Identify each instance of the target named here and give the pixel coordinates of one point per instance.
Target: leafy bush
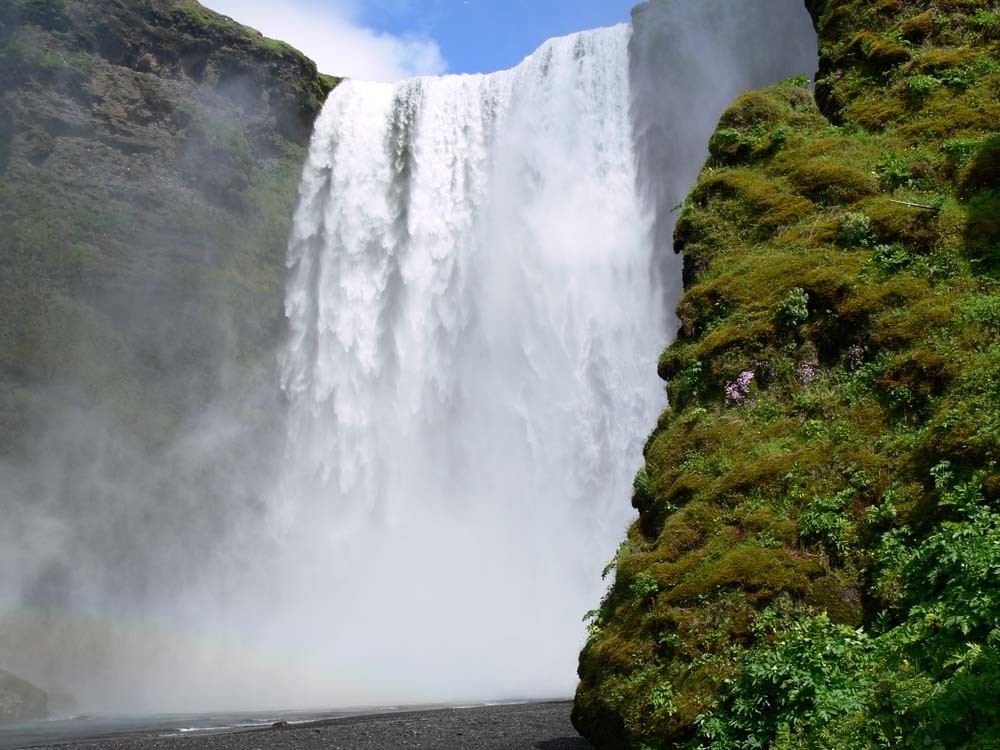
(644, 587)
(891, 258)
(826, 523)
(920, 87)
(802, 674)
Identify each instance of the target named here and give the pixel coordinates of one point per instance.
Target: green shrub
(643, 488)
(891, 258)
(826, 523)
(803, 674)
(987, 22)
(920, 87)
(644, 587)
(855, 230)
(794, 311)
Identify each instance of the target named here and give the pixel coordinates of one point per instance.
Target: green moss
(768, 199)
(919, 27)
(833, 181)
(329, 83)
(759, 571)
(757, 124)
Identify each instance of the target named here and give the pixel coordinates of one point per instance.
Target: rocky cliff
(817, 557)
(20, 700)
(149, 158)
(150, 153)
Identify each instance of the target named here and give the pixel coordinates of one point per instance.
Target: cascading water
(472, 364)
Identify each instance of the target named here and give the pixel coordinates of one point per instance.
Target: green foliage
(644, 587)
(643, 487)
(960, 149)
(983, 229)
(802, 81)
(757, 124)
(987, 22)
(927, 682)
(855, 230)
(891, 258)
(803, 673)
(826, 523)
(613, 563)
(920, 87)
(687, 382)
(794, 311)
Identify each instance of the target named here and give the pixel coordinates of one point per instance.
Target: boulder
(20, 700)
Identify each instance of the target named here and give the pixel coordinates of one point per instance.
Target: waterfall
(480, 281)
(471, 370)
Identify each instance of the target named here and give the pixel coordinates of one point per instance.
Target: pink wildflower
(806, 372)
(738, 390)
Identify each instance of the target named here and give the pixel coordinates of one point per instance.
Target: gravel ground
(534, 726)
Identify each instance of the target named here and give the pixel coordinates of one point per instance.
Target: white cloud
(338, 43)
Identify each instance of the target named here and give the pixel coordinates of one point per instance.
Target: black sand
(535, 726)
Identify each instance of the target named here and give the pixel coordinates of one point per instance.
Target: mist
(412, 498)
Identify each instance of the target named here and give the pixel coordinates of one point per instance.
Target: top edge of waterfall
(550, 42)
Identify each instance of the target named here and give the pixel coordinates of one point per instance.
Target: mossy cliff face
(149, 158)
(816, 562)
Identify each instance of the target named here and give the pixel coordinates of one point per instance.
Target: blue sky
(391, 39)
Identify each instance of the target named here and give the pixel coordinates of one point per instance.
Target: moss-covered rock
(832, 434)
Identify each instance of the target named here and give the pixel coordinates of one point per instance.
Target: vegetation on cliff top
(817, 559)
